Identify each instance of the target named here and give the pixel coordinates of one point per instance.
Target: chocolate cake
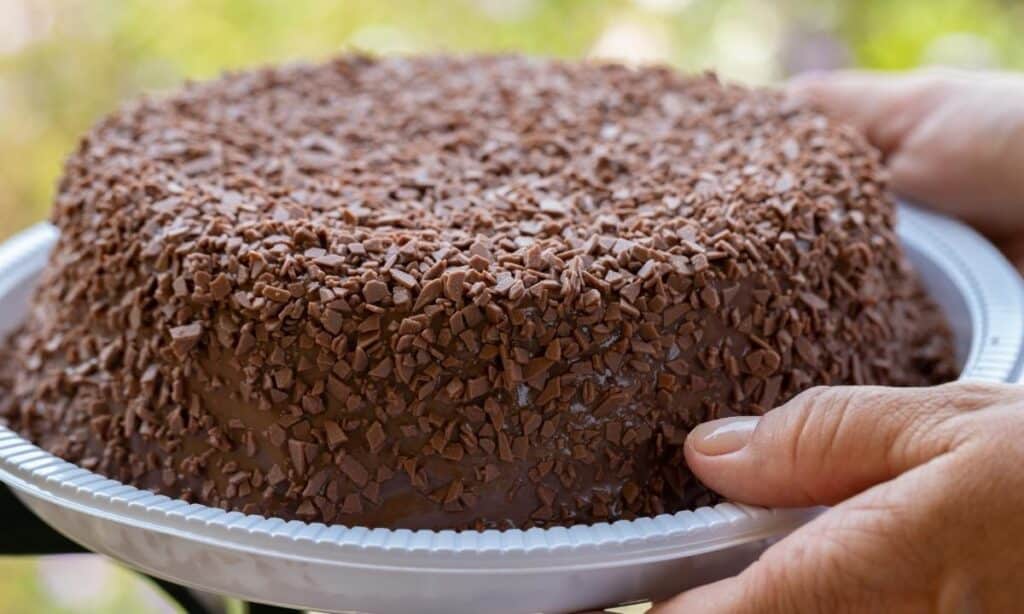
(454, 292)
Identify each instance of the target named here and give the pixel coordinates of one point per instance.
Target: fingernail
(723, 436)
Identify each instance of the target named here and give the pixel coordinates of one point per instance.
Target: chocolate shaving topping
(446, 292)
(184, 338)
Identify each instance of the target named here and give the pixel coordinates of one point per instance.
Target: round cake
(443, 292)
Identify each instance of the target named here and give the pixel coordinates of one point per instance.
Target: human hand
(953, 140)
(928, 489)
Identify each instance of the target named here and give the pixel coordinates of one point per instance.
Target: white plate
(338, 568)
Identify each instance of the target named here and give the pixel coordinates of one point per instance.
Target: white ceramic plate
(337, 568)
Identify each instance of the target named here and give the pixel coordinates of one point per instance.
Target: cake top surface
(509, 159)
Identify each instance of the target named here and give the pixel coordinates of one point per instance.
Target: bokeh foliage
(76, 59)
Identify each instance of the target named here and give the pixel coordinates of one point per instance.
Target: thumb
(828, 444)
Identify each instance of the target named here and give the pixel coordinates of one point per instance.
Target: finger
(965, 157)
(830, 443)
(869, 554)
(953, 140)
(885, 106)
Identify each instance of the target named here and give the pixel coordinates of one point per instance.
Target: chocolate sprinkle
(454, 293)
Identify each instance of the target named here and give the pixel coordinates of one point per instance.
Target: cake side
(444, 293)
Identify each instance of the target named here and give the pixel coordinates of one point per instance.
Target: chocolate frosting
(454, 292)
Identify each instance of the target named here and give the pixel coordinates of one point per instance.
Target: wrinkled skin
(927, 484)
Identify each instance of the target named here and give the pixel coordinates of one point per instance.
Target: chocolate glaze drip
(443, 293)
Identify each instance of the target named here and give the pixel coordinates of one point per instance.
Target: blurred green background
(65, 63)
